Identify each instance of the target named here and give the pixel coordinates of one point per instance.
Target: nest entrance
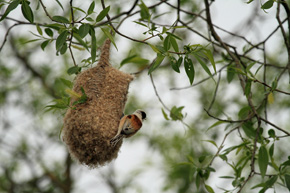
(89, 127)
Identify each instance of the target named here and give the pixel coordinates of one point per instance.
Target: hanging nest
(89, 126)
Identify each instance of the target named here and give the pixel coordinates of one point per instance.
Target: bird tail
(116, 139)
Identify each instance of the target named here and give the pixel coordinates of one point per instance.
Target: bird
(128, 126)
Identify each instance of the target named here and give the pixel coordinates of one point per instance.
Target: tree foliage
(234, 107)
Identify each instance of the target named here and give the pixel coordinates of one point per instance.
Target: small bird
(129, 125)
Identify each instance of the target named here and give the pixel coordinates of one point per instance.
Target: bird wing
(121, 125)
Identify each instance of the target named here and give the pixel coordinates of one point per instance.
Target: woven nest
(89, 126)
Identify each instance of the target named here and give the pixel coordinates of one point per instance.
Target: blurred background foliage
(227, 132)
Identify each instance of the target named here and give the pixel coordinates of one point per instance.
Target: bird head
(140, 114)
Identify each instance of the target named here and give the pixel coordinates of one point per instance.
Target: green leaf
(166, 43)
(84, 96)
(197, 180)
(48, 32)
(271, 98)
(268, 4)
(94, 44)
(244, 112)
(173, 35)
(26, 11)
(176, 114)
(139, 23)
(103, 14)
(60, 19)
(91, 8)
(274, 84)
(248, 87)
(239, 71)
(266, 185)
(203, 64)
(63, 49)
(271, 150)
(39, 30)
(165, 115)
(59, 4)
(156, 63)
(230, 149)
(74, 70)
(144, 12)
(10, 7)
(271, 133)
(286, 163)
(227, 177)
(33, 40)
(270, 182)
(230, 73)
(82, 99)
(1, 5)
(209, 56)
(258, 69)
(89, 19)
(190, 159)
(164, 30)
(287, 181)
(212, 142)
(189, 69)
(79, 9)
(44, 44)
(259, 185)
(250, 66)
(59, 104)
(216, 124)
(174, 43)
(223, 157)
(134, 59)
(249, 129)
(66, 82)
(179, 61)
(55, 26)
(108, 35)
(155, 49)
(208, 188)
(80, 40)
(174, 64)
(263, 160)
(84, 30)
(61, 39)
(127, 60)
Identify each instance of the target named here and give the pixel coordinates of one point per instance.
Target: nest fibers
(89, 126)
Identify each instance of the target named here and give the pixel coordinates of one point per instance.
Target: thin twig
(275, 126)
(284, 34)
(201, 81)
(222, 144)
(72, 33)
(6, 35)
(265, 79)
(46, 12)
(250, 116)
(156, 93)
(266, 85)
(215, 92)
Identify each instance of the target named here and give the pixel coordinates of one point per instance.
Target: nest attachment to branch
(89, 126)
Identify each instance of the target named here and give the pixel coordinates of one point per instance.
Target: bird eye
(143, 115)
(126, 129)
